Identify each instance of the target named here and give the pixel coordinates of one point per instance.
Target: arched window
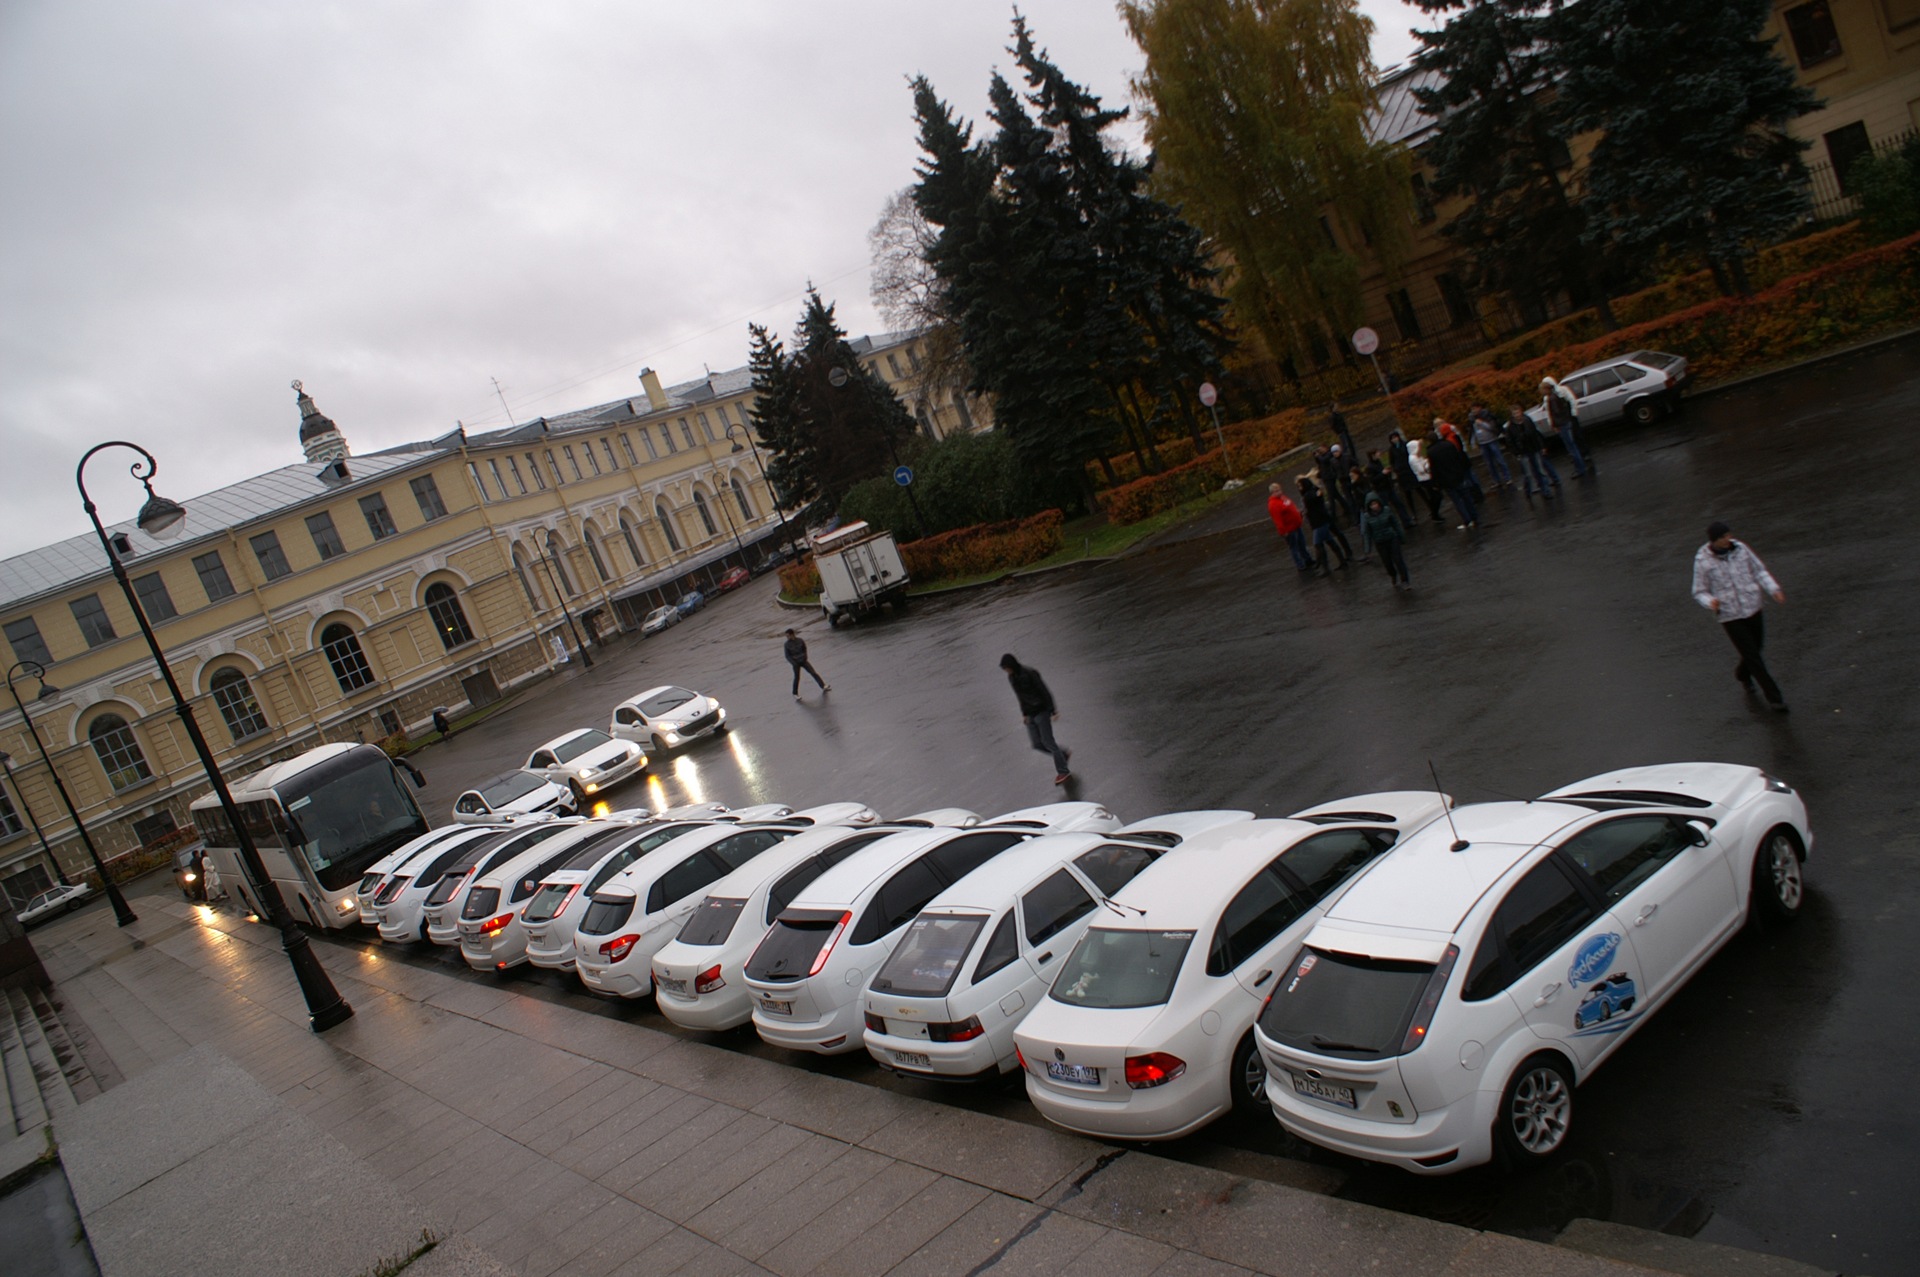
(118, 751)
(593, 552)
(233, 696)
(633, 544)
(557, 563)
(706, 515)
(534, 599)
(449, 618)
(740, 495)
(350, 668)
(666, 525)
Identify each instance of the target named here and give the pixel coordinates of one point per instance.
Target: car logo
(1593, 958)
(1059, 1055)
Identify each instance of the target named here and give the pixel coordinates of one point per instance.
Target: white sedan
(50, 904)
(587, 762)
(664, 718)
(659, 619)
(514, 793)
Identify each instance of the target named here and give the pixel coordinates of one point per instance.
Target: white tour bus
(318, 820)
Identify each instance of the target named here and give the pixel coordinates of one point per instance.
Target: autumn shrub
(799, 580)
(991, 547)
(1143, 498)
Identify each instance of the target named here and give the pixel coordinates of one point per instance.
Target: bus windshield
(343, 818)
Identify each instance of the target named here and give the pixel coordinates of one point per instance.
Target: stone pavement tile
(610, 1041)
(1005, 1233)
(706, 1172)
(455, 1256)
(895, 1234)
(1494, 1255)
(473, 1000)
(688, 1122)
(626, 1230)
(545, 1127)
(1009, 1157)
(132, 1034)
(833, 1106)
(786, 1196)
(1187, 1264)
(559, 1250)
(477, 1163)
(855, 1215)
(1117, 1254)
(682, 1252)
(413, 1161)
(595, 1152)
(539, 1214)
(521, 1178)
(716, 1073)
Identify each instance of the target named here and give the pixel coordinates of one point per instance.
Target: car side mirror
(419, 777)
(1696, 834)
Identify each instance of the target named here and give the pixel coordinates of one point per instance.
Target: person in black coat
(1325, 532)
(795, 650)
(1327, 463)
(1453, 473)
(1037, 711)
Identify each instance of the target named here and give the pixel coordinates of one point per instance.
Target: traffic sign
(1365, 341)
(1208, 395)
(903, 476)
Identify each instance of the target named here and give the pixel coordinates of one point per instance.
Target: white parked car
(984, 951)
(1058, 818)
(698, 977)
(659, 619)
(441, 908)
(664, 718)
(553, 916)
(587, 762)
(643, 906)
(1444, 1010)
(949, 817)
(514, 793)
(399, 903)
(378, 871)
(492, 935)
(54, 902)
(833, 814)
(1146, 1032)
(1640, 386)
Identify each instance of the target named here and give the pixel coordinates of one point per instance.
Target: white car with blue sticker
(1443, 1011)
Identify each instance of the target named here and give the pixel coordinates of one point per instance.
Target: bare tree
(910, 297)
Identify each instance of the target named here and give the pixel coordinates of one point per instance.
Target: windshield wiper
(1330, 1045)
(1122, 910)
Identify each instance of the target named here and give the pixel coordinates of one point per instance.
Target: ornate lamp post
(786, 537)
(53, 861)
(163, 519)
(35, 670)
(553, 559)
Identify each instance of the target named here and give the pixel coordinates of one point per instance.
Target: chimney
(656, 397)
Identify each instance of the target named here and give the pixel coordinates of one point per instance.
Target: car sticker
(1593, 958)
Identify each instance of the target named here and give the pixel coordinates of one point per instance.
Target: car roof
(1174, 827)
(1631, 357)
(847, 881)
(652, 692)
(1667, 784)
(782, 856)
(643, 871)
(1048, 814)
(1191, 883)
(515, 865)
(993, 884)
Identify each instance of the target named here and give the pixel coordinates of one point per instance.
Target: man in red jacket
(1288, 522)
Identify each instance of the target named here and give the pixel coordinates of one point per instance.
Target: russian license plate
(912, 1059)
(1341, 1095)
(670, 985)
(776, 1006)
(1074, 1074)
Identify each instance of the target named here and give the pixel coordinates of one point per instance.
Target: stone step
(69, 1043)
(26, 1111)
(48, 1076)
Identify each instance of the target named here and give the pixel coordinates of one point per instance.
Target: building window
(593, 552)
(390, 722)
(533, 468)
(633, 546)
(593, 462)
(233, 697)
(706, 427)
(557, 560)
(92, 620)
(449, 619)
(666, 434)
(926, 422)
(1846, 147)
(960, 410)
(606, 446)
(480, 483)
(151, 829)
(326, 537)
(24, 637)
(740, 495)
(686, 432)
(666, 525)
(153, 596)
(119, 753)
(626, 446)
(1402, 307)
(526, 582)
(1459, 305)
(273, 562)
(379, 518)
(893, 368)
(573, 462)
(646, 438)
(427, 493)
(706, 515)
(350, 668)
(9, 818)
(499, 481)
(513, 468)
(913, 358)
(553, 466)
(1815, 39)
(213, 575)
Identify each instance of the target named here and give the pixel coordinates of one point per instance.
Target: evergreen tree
(1503, 141)
(777, 422)
(1692, 108)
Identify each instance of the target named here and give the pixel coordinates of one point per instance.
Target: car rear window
(606, 914)
(1345, 1004)
(394, 886)
(481, 902)
(1111, 968)
(790, 947)
(796, 880)
(1113, 865)
(546, 901)
(929, 955)
(712, 921)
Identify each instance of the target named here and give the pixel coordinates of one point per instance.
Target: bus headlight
(347, 906)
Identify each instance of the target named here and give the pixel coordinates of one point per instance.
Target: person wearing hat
(1557, 404)
(795, 650)
(1037, 711)
(1730, 581)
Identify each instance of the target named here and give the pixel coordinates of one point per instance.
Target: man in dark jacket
(1452, 473)
(796, 653)
(1037, 712)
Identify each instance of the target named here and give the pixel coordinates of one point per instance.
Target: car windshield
(929, 955)
(660, 612)
(712, 922)
(508, 788)
(578, 745)
(665, 699)
(1113, 968)
(1654, 359)
(1345, 1004)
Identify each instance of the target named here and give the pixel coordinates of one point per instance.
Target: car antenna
(1459, 843)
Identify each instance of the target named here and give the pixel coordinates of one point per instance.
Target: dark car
(732, 581)
(190, 871)
(778, 555)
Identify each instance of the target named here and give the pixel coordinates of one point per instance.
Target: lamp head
(47, 690)
(837, 377)
(161, 518)
(736, 447)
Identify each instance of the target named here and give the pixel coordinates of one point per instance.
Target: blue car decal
(1610, 999)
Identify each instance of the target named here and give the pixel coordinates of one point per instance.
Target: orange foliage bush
(799, 580)
(983, 548)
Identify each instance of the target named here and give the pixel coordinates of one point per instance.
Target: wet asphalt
(1768, 1105)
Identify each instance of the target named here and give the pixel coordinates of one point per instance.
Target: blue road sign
(903, 476)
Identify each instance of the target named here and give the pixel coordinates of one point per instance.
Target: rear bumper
(1162, 1113)
(947, 1061)
(621, 980)
(552, 956)
(709, 1012)
(838, 1032)
(1463, 1128)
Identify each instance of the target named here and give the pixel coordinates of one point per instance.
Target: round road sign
(903, 476)
(1365, 340)
(1208, 395)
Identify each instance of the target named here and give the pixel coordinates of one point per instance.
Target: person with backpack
(1558, 404)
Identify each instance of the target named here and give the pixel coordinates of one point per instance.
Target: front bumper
(612, 776)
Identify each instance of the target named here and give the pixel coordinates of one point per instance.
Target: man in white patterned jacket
(1730, 581)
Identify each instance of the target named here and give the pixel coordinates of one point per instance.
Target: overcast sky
(398, 203)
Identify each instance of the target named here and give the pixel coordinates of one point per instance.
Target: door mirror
(1696, 834)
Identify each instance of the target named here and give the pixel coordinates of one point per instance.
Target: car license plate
(913, 1059)
(1074, 1074)
(670, 985)
(776, 1006)
(1341, 1095)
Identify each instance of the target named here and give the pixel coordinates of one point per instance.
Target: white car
(949, 817)
(553, 916)
(587, 762)
(1058, 818)
(514, 793)
(54, 902)
(808, 972)
(1146, 1033)
(398, 904)
(659, 619)
(377, 872)
(664, 718)
(1442, 1013)
(833, 814)
(698, 977)
(643, 906)
(441, 908)
(983, 952)
(1641, 386)
(492, 936)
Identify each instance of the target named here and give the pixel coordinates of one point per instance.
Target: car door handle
(1547, 994)
(1646, 913)
(1263, 977)
(1046, 957)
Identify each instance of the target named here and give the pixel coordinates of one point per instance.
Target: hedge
(1250, 442)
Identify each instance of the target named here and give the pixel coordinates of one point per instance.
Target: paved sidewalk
(538, 1139)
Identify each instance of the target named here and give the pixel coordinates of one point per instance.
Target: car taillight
(878, 1023)
(1147, 1071)
(1021, 1056)
(964, 1031)
(568, 899)
(494, 926)
(826, 950)
(709, 980)
(1430, 1000)
(619, 947)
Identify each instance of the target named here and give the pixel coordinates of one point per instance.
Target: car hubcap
(1254, 1078)
(1541, 1110)
(1786, 871)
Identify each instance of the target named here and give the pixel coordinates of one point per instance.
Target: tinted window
(529, 882)
(1053, 906)
(1345, 1004)
(1324, 861)
(481, 902)
(685, 878)
(741, 848)
(1629, 373)
(1113, 865)
(1604, 379)
(1542, 912)
(1001, 949)
(929, 955)
(634, 850)
(1122, 968)
(712, 921)
(792, 944)
(547, 901)
(606, 915)
(957, 858)
(1622, 854)
(518, 785)
(664, 700)
(898, 900)
(1252, 918)
(581, 744)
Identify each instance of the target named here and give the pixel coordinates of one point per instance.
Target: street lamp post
(786, 537)
(162, 519)
(6, 764)
(35, 670)
(553, 560)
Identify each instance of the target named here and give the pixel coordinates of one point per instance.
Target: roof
(1396, 118)
(847, 881)
(1191, 883)
(992, 885)
(261, 782)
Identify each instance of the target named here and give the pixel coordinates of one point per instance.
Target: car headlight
(1776, 785)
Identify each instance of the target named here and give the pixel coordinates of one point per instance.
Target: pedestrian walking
(1557, 402)
(1423, 476)
(796, 653)
(1338, 421)
(1289, 522)
(1325, 531)
(1388, 537)
(1486, 434)
(1536, 466)
(1381, 481)
(1730, 581)
(1037, 711)
(1451, 471)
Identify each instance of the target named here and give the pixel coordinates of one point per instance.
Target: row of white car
(1393, 976)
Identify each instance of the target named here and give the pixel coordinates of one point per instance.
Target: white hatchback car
(643, 906)
(983, 951)
(514, 793)
(492, 935)
(441, 908)
(1446, 1007)
(398, 904)
(53, 902)
(697, 977)
(1147, 1030)
(553, 916)
(664, 718)
(1058, 818)
(377, 872)
(587, 762)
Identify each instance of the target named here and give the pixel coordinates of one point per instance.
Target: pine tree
(777, 422)
(1692, 107)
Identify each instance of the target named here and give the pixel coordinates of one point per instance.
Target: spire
(320, 439)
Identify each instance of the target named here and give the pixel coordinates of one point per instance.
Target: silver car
(1641, 386)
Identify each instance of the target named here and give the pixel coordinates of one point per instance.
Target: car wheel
(579, 796)
(1248, 1077)
(656, 746)
(1536, 1112)
(1643, 412)
(1778, 883)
